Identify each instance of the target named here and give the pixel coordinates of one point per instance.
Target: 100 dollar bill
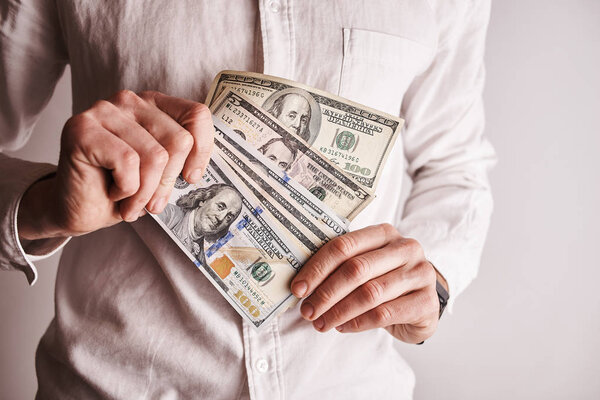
(316, 216)
(238, 246)
(290, 153)
(356, 138)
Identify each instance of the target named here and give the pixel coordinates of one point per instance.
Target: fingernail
(299, 289)
(196, 175)
(307, 310)
(319, 323)
(339, 328)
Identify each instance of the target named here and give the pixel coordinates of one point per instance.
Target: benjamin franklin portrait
(202, 214)
(297, 110)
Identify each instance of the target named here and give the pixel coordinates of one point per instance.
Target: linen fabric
(134, 317)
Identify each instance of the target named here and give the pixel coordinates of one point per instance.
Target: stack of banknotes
(291, 166)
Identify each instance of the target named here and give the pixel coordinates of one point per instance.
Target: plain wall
(528, 327)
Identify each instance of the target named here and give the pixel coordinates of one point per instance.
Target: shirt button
(262, 365)
(275, 6)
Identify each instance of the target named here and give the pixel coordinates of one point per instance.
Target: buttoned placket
(262, 349)
(278, 37)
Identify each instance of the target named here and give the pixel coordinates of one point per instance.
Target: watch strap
(443, 296)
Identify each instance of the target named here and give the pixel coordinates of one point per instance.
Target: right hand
(119, 156)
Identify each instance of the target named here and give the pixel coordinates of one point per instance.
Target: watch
(443, 296)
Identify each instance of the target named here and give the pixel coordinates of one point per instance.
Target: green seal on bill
(261, 271)
(345, 140)
(318, 192)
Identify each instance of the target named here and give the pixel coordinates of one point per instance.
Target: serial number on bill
(336, 153)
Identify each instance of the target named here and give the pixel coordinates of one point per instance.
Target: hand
(370, 278)
(116, 158)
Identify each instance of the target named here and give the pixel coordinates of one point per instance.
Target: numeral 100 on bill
(357, 169)
(245, 301)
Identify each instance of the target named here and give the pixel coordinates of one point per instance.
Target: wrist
(441, 280)
(36, 215)
(441, 287)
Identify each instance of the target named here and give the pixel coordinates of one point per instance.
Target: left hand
(370, 278)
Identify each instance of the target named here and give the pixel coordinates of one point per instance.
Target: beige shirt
(134, 317)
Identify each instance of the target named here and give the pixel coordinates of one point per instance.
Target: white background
(529, 326)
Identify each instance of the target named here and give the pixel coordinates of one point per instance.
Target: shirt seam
(278, 358)
(265, 37)
(292, 39)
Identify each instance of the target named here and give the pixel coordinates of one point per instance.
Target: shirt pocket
(377, 68)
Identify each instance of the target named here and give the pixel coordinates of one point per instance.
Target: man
(133, 317)
(293, 110)
(280, 151)
(204, 212)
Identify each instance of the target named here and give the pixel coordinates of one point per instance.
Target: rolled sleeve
(450, 204)
(18, 176)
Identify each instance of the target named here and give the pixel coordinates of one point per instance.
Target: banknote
(286, 192)
(235, 242)
(356, 138)
(287, 217)
(291, 154)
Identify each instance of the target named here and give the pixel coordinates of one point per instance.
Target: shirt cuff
(449, 254)
(36, 250)
(14, 253)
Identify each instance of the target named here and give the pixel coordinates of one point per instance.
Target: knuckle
(181, 142)
(333, 316)
(382, 315)
(101, 106)
(318, 270)
(357, 268)
(372, 292)
(343, 245)
(76, 130)
(148, 94)
(141, 199)
(355, 324)
(130, 157)
(433, 302)
(72, 124)
(200, 111)
(129, 187)
(158, 156)
(168, 181)
(388, 230)
(324, 295)
(426, 306)
(186, 140)
(426, 271)
(397, 245)
(413, 247)
(125, 96)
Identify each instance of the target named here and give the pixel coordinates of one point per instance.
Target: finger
(173, 137)
(349, 276)
(152, 155)
(100, 148)
(197, 120)
(371, 294)
(338, 250)
(417, 310)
